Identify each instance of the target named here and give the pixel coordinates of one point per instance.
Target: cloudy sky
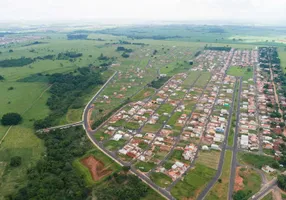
(230, 10)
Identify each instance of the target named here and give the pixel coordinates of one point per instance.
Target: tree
(11, 119)
(248, 69)
(281, 180)
(15, 161)
(241, 195)
(1, 78)
(126, 168)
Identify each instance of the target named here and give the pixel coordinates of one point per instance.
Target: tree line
(20, 62)
(66, 91)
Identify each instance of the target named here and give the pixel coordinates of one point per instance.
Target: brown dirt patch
(96, 168)
(238, 180)
(146, 94)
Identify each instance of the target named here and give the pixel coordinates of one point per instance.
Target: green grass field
(282, 56)
(241, 71)
(193, 183)
(255, 160)
(161, 179)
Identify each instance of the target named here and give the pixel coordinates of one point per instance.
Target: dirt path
(36, 100)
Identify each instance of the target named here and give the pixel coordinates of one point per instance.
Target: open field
(255, 160)
(241, 71)
(209, 158)
(282, 56)
(161, 179)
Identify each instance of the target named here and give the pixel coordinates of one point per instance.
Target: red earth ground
(96, 168)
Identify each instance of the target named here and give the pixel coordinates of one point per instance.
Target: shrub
(16, 161)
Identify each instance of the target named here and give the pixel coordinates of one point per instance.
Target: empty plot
(209, 158)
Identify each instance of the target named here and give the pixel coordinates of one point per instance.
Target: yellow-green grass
(241, 71)
(193, 183)
(268, 196)
(220, 189)
(193, 75)
(21, 97)
(202, 81)
(209, 158)
(143, 94)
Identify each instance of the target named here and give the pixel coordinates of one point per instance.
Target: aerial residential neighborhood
(143, 100)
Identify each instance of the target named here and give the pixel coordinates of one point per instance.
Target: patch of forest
(20, 62)
(54, 177)
(77, 36)
(159, 82)
(218, 48)
(66, 92)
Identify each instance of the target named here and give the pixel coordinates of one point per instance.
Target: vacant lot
(209, 158)
(193, 182)
(161, 179)
(255, 160)
(245, 72)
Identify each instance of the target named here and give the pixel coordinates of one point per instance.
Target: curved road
(90, 133)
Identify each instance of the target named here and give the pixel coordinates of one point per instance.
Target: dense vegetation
(54, 177)
(18, 62)
(281, 181)
(16, 161)
(128, 187)
(218, 48)
(120, 48)
(77, 36)
(242, 195)
(35, 43)
(66, 91)
(68, 55)
(1, 78)
(11, 119)
(159, 82)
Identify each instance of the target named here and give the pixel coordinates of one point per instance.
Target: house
(244, 141)
(117, 137)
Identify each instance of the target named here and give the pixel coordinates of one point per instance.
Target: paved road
(221, 160)
(235, 150)
(61, 127)
(265, 189)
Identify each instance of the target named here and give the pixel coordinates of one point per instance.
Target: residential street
(204, 193)
(235, 149)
